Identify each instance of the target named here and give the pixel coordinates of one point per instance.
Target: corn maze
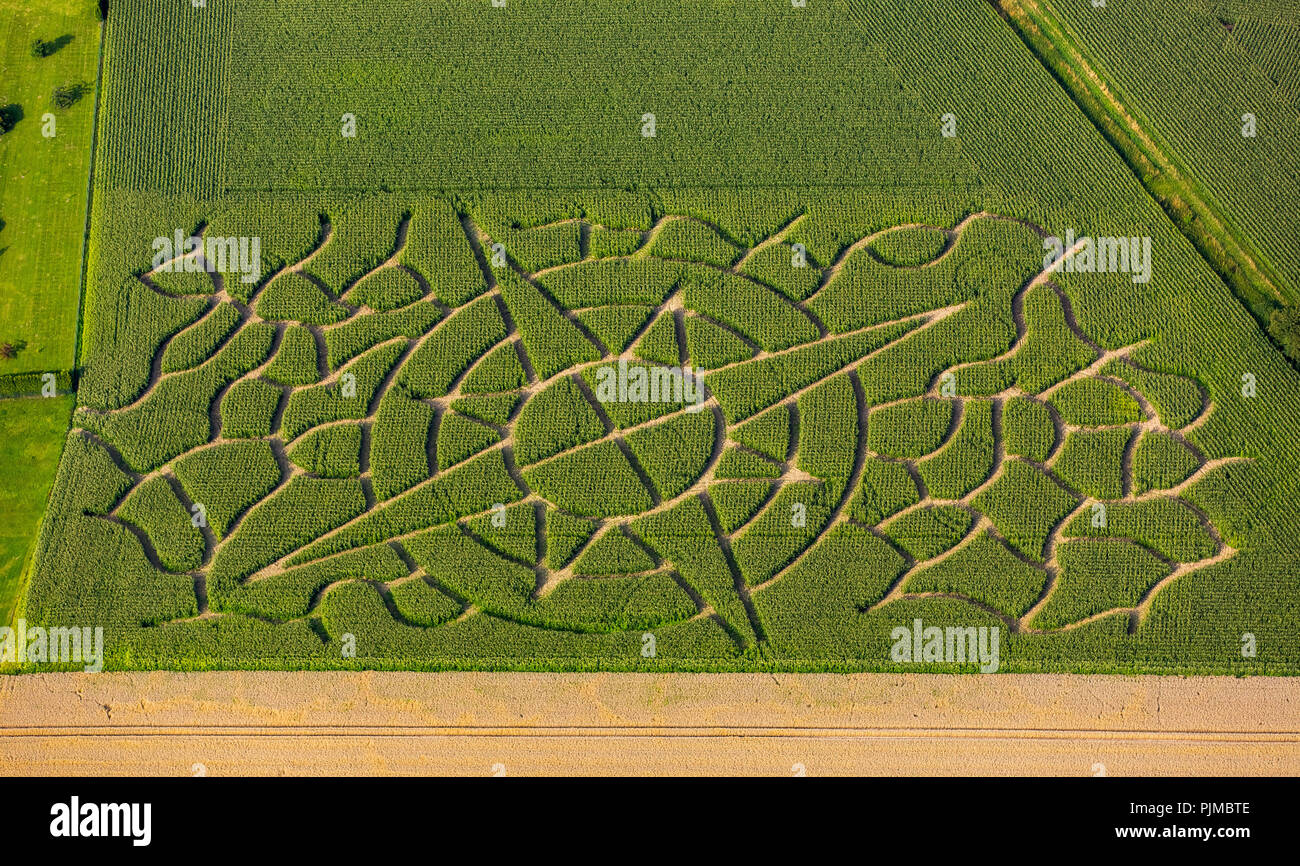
(401, 356)
(427, 457)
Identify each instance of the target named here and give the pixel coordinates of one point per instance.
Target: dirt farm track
(681, 724)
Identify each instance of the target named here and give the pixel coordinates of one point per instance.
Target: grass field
(43, 188)
(508, 383)
(43, 181)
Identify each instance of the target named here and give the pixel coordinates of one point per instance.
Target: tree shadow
(46, 47)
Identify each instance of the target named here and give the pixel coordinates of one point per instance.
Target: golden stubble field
(516, 724)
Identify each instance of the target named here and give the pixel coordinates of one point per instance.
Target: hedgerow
(297, 361)
(615, 326)
(1097, 576)
(1092, 402)
(1027, 429)
(154, 508)
(927, 532)
(1092, 461)
(248, 409)
(911, 429)
(963, 464)
(556, 419)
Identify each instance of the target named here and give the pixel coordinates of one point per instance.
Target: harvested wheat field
(378, 723)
